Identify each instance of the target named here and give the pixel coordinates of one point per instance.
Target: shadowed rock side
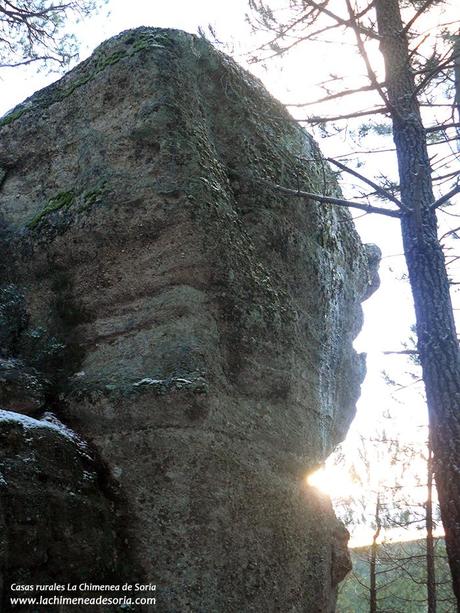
(56, 525)
(206, 321)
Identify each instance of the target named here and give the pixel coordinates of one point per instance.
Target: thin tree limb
(378, 110)
(362, 50)
(434, 72)
(418, 14)
(440, 201)
(449, 232)
(298, 41)
(402, 352)
(346, 92)
(345, 22)
(431, 129)
(378, 188)
(332, 200)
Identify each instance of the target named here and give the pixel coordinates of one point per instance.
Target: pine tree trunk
(430, 567)
(372, 577)
(373, 560)
(437, 339)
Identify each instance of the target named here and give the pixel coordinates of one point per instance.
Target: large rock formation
(194, 326)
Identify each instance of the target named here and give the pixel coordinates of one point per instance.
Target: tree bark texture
(430, 566)
(373, 560)
(437, 339)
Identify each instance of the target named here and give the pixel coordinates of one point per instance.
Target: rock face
(189, 322)
(56, 524)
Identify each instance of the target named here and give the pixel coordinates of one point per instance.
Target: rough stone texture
(56, 524)
(205, 322)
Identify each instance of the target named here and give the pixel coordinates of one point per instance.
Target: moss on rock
(63, 200)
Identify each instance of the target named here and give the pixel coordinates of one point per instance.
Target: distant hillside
(401, 580)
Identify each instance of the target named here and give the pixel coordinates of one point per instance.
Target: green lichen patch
(108, 54)
(110, 60)
(93, 196)
(63, 200)
(77, 202)
(132, 45)
(12, 116)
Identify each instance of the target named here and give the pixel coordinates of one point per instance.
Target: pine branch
(418, 14)
(362, 50)
(431, 129)
(448, 233)
(39, 58)
(296, 42)
(402, 352)
(440, 201)
(315, 120)
(448, 175)
(415, 50)
(378, 188)
(444, 140)
(346, 92)
(297, 193)
(345, 22)
(442, 66)
(280, 35)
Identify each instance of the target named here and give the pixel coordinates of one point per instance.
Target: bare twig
(378, 188)
(362, 50)
(442, 66)
(441, 127)
(332, 200)
(296, 42)
(449, 232)
(314, 120)
(346, 92)
(402, 352)
(440, 201)
(417, 14)
(345, 22)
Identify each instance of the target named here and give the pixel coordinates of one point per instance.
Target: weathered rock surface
(56, 525)
(200, 323)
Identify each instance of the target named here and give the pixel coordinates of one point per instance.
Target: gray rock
(374, 255)
(56, 524)
(13, 318)
(21, 388)
(208, 319)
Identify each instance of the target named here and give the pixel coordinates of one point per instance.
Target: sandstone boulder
(207, 319)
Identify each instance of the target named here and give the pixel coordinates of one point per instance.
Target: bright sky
(388, 314)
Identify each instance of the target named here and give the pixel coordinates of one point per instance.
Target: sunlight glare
(333, 481)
